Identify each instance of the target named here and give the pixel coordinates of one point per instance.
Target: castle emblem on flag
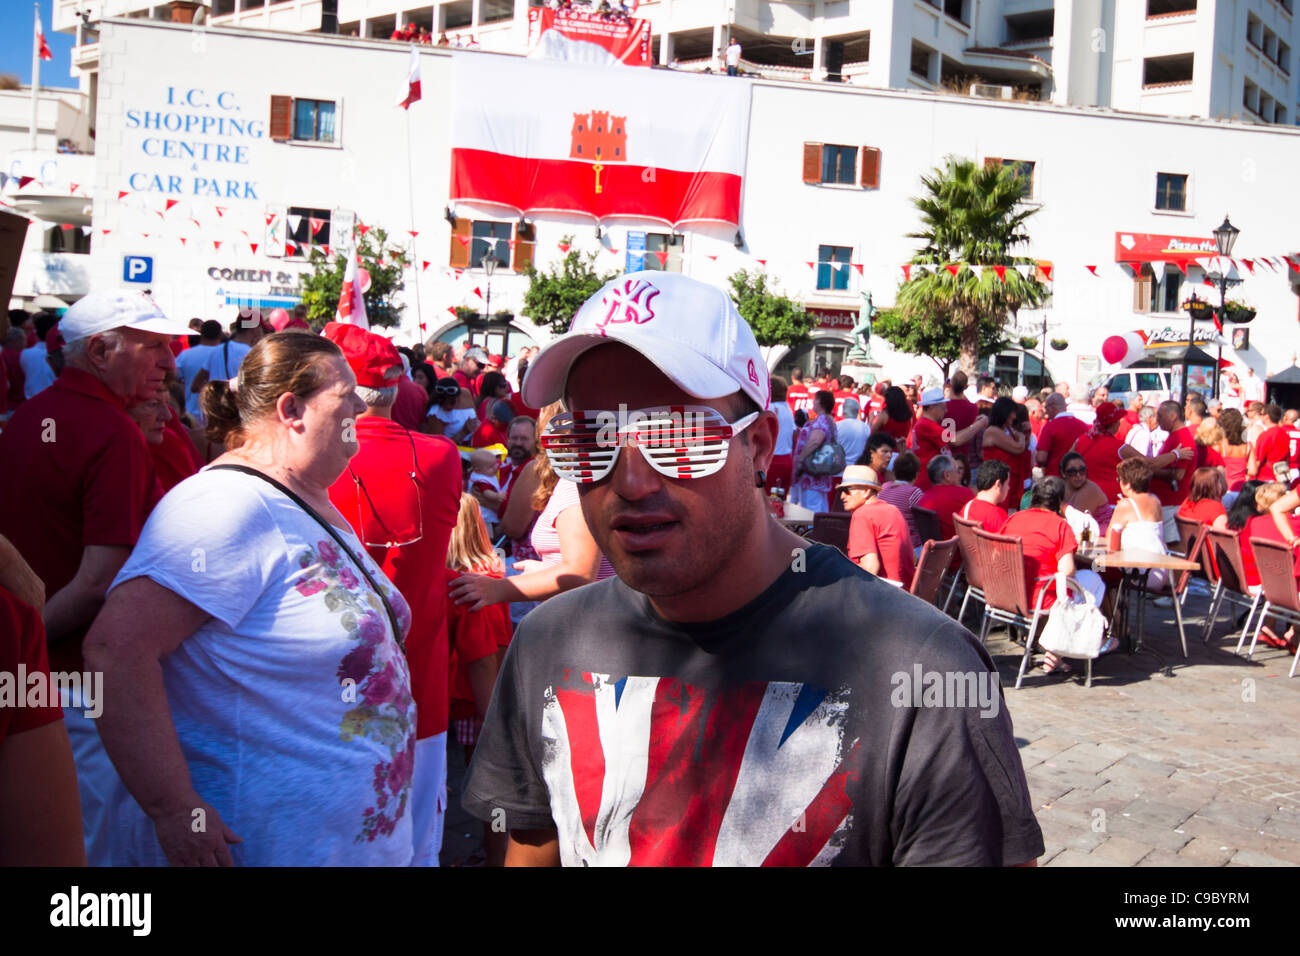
(600, 138)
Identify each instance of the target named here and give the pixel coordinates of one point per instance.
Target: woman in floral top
(264, 715)
(813, 491)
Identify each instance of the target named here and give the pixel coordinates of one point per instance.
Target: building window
(839, 163)
(663, 252)
(72, 239)
(1170, 8)
(1157, 293)
(303, 121)
(1024, 168)
(1254, 31)
(1171, 192)
(1172, 70)
(921, 61)
(833, 267)
(471, 240)
(955, 9)
(305, 228)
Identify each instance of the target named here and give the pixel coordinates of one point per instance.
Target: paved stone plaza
(1162, 762)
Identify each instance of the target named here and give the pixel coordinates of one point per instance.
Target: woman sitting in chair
(1136, 524)
(1048, 545)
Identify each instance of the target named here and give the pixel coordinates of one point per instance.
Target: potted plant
(1201, 311)
(1238, 312)
(503, 317)
(1060, 345)
(1028, 343)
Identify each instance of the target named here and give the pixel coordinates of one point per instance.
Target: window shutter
(282, 118)
(525, 236)
(1142, 290)
(459, 256)
(992, 160)
(812, 162)
(870, 167)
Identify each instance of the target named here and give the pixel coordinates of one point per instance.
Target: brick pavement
(1162, 762)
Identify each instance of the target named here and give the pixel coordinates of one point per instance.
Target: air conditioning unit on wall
(988, 92)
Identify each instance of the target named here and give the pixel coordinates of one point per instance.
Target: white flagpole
(36, 79)
(410, 203)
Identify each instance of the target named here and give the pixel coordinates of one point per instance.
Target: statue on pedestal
(860, 353)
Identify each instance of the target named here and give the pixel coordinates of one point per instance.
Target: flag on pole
(40, 41)
(352, 307)
(411, 92)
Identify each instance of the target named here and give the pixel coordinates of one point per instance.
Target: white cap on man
(104, 310)
(1019, 393)
(932, 396)
(690, 330)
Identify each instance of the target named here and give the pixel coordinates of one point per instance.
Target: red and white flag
(40, 41)
(352, 306)
(411, 91)
(646, 145)
(587, 38)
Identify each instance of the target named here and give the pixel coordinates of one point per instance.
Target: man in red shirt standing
(798, 395)
(992, 482)
(1271, 458)
(1058, 435)
(81, 468)
(931, 435)
(963, 414)
(471, 367)
(1171, 485)
(878, 537)
(401, 494)
(945, 496)
(494, 430)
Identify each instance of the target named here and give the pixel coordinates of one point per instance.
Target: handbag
(1074, 628)
(333, 533)
(828, 459)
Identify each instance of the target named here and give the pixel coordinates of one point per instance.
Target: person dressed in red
(896, 417)
(1058, 435)
(932, 434)
(945, 497)
(799, 396)
(401, 494)
(1233, 450)
(1205, 499)
(1048, 546)
(494, 430)
(1172, 481)
(478, 640)
(879, 540)
(1275, 452)
(1131, 417)
(1103, 450)
(962, 414)
(992, 485)
(1003, 441)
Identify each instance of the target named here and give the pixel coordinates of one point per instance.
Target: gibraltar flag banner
(352, 305)
(662, 146)
(587, 38)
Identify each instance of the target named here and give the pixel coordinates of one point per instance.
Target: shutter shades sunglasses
(681, 441)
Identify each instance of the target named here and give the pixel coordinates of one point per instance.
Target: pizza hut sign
(1160, 338)
(834, 320)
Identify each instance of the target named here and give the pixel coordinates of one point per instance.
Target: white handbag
(1074, 628)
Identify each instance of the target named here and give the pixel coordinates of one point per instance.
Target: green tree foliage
(384, 261)
(970, 214)
(938, 339)
(775, 319)
(554, 297)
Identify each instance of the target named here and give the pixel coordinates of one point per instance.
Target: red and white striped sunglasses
(680, 441)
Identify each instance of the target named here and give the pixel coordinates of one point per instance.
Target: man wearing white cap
(879, 539)
(82, 469)
(673, 715)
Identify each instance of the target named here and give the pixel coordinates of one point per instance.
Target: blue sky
(16, 45)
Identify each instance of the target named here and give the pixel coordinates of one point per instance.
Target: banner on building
(1151, 247)
(588, 38)
(655, 145)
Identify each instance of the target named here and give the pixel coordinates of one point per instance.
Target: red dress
(1014, 461)
(899, 430)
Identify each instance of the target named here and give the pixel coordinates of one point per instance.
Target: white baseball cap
(691, 331)
(932, 396)
(111, 309)
(1019, 393)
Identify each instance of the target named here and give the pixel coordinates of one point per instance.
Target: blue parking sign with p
(137, 268)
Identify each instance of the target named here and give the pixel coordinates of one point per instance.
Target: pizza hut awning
(654, 145)
(1152, 247)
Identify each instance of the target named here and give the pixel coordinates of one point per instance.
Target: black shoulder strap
(333, 532)
(225, 364)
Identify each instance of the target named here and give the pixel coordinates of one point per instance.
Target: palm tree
(970, 214)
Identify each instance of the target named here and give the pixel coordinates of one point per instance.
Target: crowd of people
(348, 552)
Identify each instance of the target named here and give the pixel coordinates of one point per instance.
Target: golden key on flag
(597, 168)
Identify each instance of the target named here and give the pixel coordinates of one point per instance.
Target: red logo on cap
(629, 303)
(753, 375)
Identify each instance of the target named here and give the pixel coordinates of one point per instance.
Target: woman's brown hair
(547, 479)
(1233, 424)
(469, 549)
(1136, 473)
(278, 363)
(1207, 483)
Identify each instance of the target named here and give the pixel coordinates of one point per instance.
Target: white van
(1153, 383)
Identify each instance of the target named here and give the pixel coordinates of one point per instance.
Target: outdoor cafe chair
(927, 579)
(831, 528)
(1176, 586)
(1277, 567)
(927, 523)
(970, 570)
(1188, 529)
(1229, 580)
(1002, 563)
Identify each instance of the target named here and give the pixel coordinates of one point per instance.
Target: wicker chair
(1229, 580)
(970, 569)
(1277, 577)
(927, 580)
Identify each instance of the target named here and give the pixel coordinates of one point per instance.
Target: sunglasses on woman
(681, 441)
(1074, 472)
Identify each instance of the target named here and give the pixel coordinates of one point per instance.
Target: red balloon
(1114, 349)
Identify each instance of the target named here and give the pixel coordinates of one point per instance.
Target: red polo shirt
(927, 441)
(1163, 489)
(411, 405)
(1274, 447)
(1044, 538)
(175, 458)
(879, 528)
(944, 501)
(990, 517)
(78, 473)
(390, 500)
(1058, 437)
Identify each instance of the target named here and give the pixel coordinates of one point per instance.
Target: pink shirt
(546, 539)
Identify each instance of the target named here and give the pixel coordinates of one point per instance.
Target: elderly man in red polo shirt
(81, 468)
(879, 540)
(401, 494)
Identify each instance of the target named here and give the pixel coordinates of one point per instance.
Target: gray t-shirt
(832, 720)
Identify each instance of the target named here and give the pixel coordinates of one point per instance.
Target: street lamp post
(1225, 237)
(490, 263)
